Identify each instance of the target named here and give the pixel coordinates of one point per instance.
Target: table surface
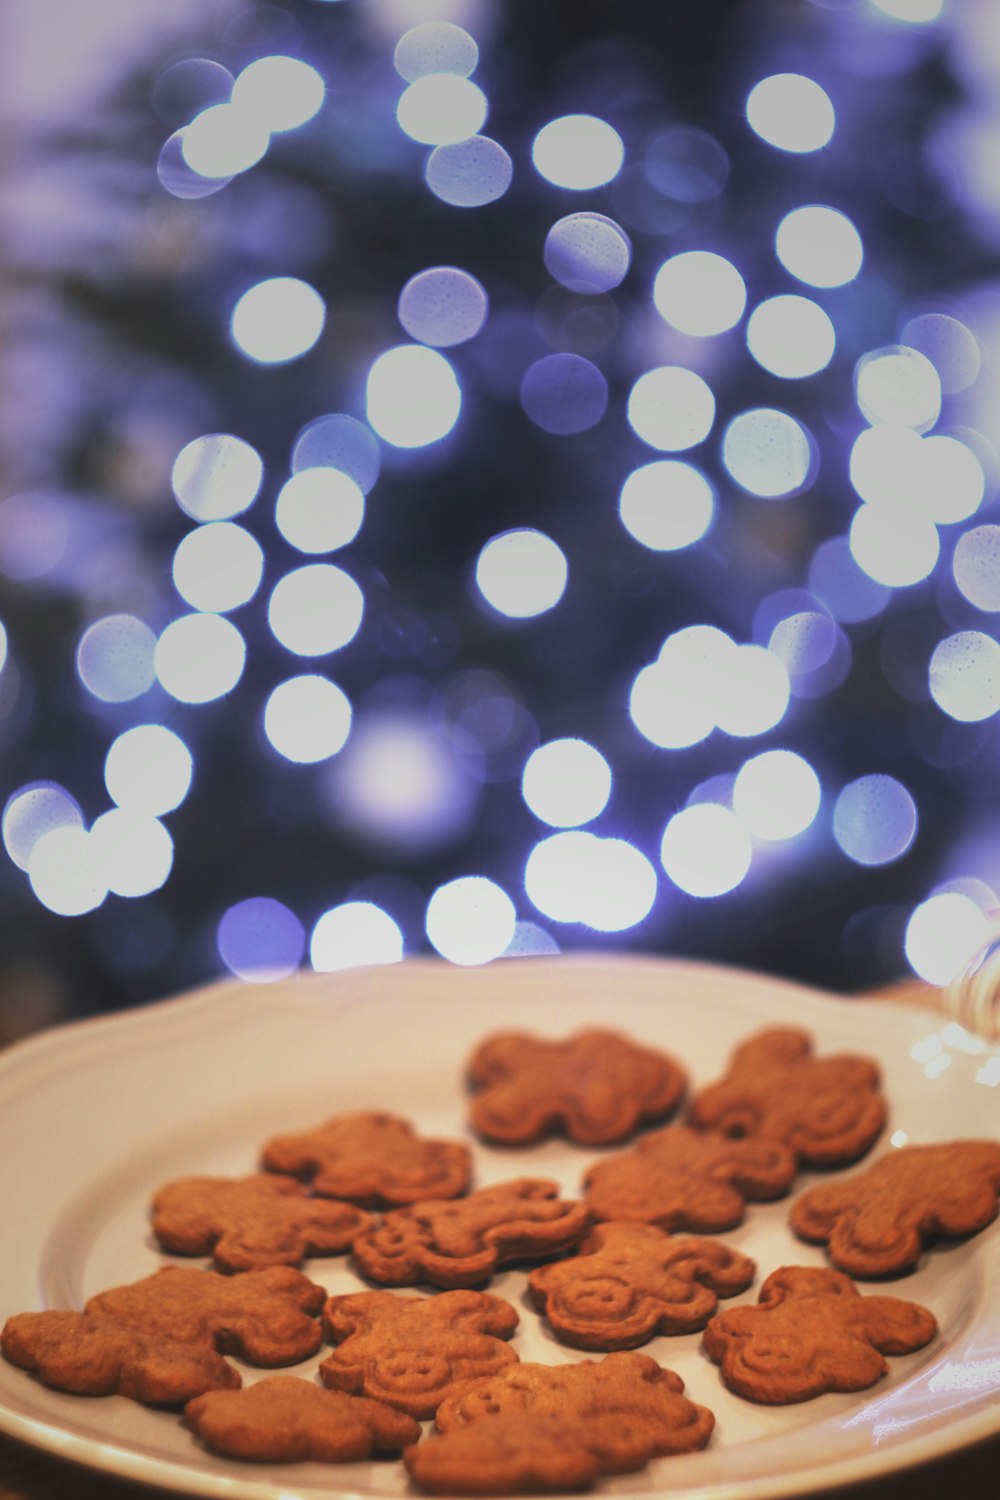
(973, 1474)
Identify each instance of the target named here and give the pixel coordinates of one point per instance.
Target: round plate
(97, 1115)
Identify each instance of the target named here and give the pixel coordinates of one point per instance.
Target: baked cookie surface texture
(596, 1087)
(371, 1158)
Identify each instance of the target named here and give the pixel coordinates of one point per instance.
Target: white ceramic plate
(94, 1116)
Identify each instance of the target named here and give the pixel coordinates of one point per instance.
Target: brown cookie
(555, 1427)
(597, 1087)
(876, 1220)
(266, 1317)
(285, 1419)
(93, 1356)
(461, 1242)
(411, 1352)
(680, 1178)
(629, 1281)
(828, 1110)
(812, 1331)
(247, 1223)
(371, 1158)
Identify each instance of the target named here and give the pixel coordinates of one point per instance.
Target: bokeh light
(442, 306)
(964, 676)
(279, 92)
(893, 545)
(791, 336)
(435, 47)
(667, 505)
(706, 850)
(439, 109)
(564, 393)
(792, 112)
(578, 152)
(975, 564)
(307, 718)
(319, 510)
(339, 441)
(224, 140)
(114, 658)
(937, 477)
(917, 12)
(686, 165)
(34, 810)
(132, 852)
(606, 884)
(943, 934)
(470, 173)
(65, 872)
(587, 252)
(949, 344)
(216, 476)
(315, 609)
(278, 320)
(671, 408)
(354, 934)
(768, 452)
(218, 567)
(470, 920)
(199, 658)
(260, 939)
(566, 782)
(874, 819)
(521, 573)
(700, 293)
(776, 795)
(148, 770)
(900, 386)
(413, 397)
(819, 245)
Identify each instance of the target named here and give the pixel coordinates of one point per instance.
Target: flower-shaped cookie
(630, 1281)
(876, 1220)
(597, 1087)
(93, 1356)
(284, 1419)
(461, 1242)
(680, 1178)
(371, 1158)
(812, 1331)
(555, 1427)
(266, 1317)
(828, 1110)
(247, 1223)
(411, 1352)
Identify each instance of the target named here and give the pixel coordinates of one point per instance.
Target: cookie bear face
(876, 1221)
(680, 1178)
(266, 1317)
(412, 1352)
(94, 1356)
(371, 1158)
(630, 1281)
(623, 1409)
(461, 1242)
(597, 1087)
(811, 1332)
(285, 1419)
(827, 1110)
(247, 1223)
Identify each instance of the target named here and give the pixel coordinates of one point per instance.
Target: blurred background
(485, 479)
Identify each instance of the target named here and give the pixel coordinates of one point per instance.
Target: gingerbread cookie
(94, 1356)
(247, 1223)
(371, 1158)
(828, 1110)
(680, 1178)
(554, 1427)
(285, 1419)
(597, 1087)
(461, 1242)
(812, 1331)
(411, 1352)
(876, 1220)
(266, 1317)
(629, 1281)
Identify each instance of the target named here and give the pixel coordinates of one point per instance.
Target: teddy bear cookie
(827, 1110)
(596, 1087)
(412, 1352)
(875, 1222)
(371, 1158)
(461, 1242)
(285, 1419)
(629, 1281)
(555, 1427)
(679, 1178)
(247, 1223)
(811, 1332)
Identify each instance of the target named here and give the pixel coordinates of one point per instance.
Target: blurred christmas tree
(495, 478)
